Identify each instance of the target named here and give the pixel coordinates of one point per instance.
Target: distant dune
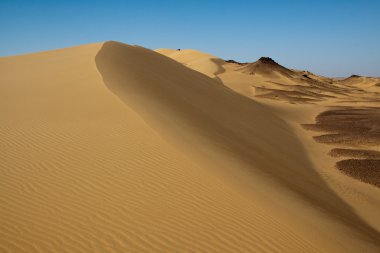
(110, 147)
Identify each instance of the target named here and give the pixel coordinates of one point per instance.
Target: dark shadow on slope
(224, 119)
(219, 63)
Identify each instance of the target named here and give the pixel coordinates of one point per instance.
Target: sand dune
(267, 79)
(116, 148)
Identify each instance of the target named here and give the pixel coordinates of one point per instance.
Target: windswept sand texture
(116, 148)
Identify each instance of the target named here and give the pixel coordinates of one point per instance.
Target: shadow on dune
(173, 97)
(219, 63)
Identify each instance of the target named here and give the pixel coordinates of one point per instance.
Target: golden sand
(116, 148)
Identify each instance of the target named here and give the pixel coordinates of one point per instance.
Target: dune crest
(208, 64)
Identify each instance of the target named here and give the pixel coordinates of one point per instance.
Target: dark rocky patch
(352, 127)
(236, 62)
(267, 60)
(366, 170)
(306, 76)
(356, 153)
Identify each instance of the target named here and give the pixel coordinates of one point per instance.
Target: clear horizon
(331, 38)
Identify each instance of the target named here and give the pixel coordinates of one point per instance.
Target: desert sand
(110, 147)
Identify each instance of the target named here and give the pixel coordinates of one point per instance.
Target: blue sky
(333, 38)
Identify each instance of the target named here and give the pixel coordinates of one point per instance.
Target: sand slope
(115, 148)
(300, 97)
(207, 64)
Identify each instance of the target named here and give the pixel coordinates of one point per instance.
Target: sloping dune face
(115, 148)
(207, 64)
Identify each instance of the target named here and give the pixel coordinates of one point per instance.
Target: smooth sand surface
(116, 148)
